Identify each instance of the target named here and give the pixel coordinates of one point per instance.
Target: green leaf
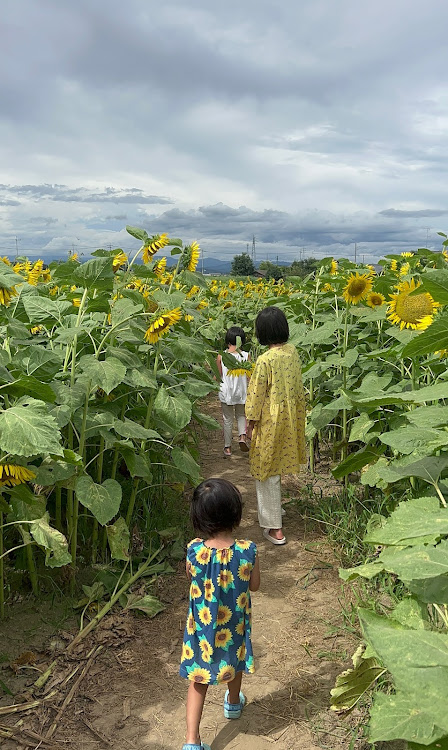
(352, 684)
(150, 605)
(430, 590)
(199, 389)
(106, 373)
(368, 570)
(413, 519)
(45, 310)
(8, 277)
(210, 423)
(175, 411)
(28, 385)
(357, 461)
(394, 717)
(360, 427)
(188, 350)
(411, 613)
(428, 468)
(122, 309)
(54, 543)
(141, 378)
(138, 233)
(96, 273)
(41, 363)
(119, 537)
(103, 500)
(417, 661)
(186, 463)
(27, 429)
(436, 283)
(138, 465)
(415, 439)
(414, 563)
(50, 472)
(428, 416)
(129, 429)
(432, 340)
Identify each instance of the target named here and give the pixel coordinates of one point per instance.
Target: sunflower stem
(32, 570)
(58, 508)
(2, 571)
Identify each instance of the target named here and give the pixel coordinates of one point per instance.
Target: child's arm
(219, 364)
(254, 583)
(187, 569)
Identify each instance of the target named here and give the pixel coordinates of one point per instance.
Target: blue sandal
(233, 710)
(202, 746)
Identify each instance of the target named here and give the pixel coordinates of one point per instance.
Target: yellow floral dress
(217, 638)
(276, 402)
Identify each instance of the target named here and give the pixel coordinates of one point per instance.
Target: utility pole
(277, 259)
(17, 247)
(202, 260)
(355, 253)
(254, 254)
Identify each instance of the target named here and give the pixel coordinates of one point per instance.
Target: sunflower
(193, 569)
(224, 555)
(195, 591)
(119, 260)
(35, 272)
(333, 267)
(161, 325)
(76, 301)
(73, 256)
(407, 255)
(375, 299)
(416, 312)
(357, 287)
(241, 652)
(236, 371)
(405, 268)
(205, 615)
(203, 555)
(244, 570)
(224, 614)
(198, 674)
(223, 638)
(226, 673)
(188, 318)
(393, 265)
(11, 475)
(203, 303)
(6, 294)
(159, 267)
(187, 652)
(232, 284)
(327, 288)
(194, 290)
(227, 305)
(371, 269)
(36, 329)
(240, 629)
(154, 243)
(242, 544)
(208, 590)
(242, 601)
(190, 256)
(225, 580)
(206, 649)
(191, 624)
(6, 260)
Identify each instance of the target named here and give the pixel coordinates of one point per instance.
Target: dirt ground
(132, 697)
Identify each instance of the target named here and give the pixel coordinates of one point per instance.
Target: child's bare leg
(195, 704)
(234, 687)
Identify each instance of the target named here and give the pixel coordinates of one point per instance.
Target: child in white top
(233, 392)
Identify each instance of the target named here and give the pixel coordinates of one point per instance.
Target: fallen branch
(72, 692)
(107, 607)
(102, 737)
(5, 710)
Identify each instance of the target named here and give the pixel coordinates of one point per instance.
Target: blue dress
(217, 638)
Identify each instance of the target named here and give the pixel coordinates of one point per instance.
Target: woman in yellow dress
(275, 410)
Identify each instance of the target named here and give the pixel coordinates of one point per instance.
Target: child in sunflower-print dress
(223, 571)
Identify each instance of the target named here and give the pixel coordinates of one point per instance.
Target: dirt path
(134, 698)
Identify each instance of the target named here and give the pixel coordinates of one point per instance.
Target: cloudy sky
(312, 124)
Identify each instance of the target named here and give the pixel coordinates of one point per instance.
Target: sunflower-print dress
(217, 639)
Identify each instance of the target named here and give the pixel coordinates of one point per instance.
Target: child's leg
(195, 703)
(227, 416)
(241, 419)
(234, 687)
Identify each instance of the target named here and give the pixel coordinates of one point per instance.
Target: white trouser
(228, 411)
(269, 499)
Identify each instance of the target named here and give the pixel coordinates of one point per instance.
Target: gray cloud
(301, 123)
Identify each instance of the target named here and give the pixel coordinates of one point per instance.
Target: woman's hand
(250, 428)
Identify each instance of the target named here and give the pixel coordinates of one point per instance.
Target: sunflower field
(103, 368)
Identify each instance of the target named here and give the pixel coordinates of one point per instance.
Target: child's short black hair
(216, 506)
(271, 326)
(232, 333)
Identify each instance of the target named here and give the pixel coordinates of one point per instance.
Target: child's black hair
(271, 326)
(216, 506)
(232, 333)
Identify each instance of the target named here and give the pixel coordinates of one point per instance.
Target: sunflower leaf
(103, 500)
(432, 340)
(27, 428)
(119, 537)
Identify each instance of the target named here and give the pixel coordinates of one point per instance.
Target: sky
(313, 125)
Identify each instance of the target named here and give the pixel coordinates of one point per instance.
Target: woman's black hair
(271, 326)
(216, 506)
(232, 333)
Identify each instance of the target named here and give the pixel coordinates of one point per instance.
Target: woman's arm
(254, 583)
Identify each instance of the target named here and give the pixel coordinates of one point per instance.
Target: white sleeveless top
(233, 389)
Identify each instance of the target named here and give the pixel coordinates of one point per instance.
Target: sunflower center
(357, 287)
(412, 309)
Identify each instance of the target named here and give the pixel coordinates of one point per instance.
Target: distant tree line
(243, 265)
